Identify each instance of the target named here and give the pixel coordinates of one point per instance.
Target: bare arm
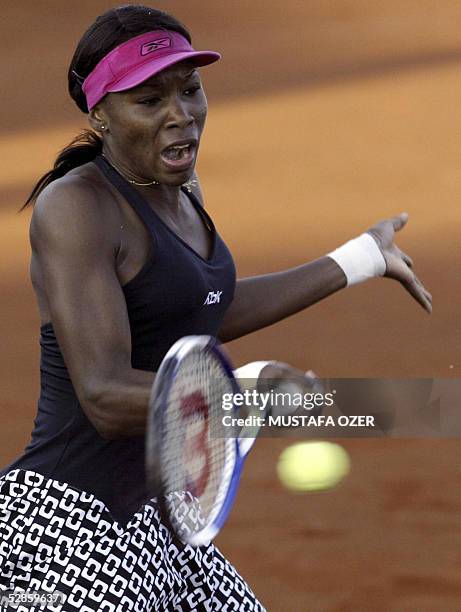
(263, 300)
(260, 301)
(75, 238)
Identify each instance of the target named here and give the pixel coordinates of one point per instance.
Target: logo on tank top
(213, 297)
(159, 43)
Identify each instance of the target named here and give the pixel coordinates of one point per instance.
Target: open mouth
(181, 155)
(178, 152)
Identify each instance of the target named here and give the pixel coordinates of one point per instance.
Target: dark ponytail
(83, 149)
(111, 29)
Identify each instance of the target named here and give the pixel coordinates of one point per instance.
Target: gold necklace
(188, 184)
(131, 181)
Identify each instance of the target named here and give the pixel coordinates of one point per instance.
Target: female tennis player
(125, 261)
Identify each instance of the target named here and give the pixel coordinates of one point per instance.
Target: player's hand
(399, 265)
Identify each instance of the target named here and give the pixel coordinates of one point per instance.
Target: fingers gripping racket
(194, 462)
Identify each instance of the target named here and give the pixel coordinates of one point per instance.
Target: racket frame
(155, 435)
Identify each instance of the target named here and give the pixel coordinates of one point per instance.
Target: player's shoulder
(74, 204)
(71, 193)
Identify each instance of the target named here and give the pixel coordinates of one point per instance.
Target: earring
(103, 127)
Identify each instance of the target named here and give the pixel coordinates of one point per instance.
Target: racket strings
(198, 458)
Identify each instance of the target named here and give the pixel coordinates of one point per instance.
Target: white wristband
(360, 259)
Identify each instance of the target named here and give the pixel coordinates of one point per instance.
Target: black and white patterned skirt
(57, 539)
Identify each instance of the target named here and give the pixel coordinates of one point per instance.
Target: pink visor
(138, 59)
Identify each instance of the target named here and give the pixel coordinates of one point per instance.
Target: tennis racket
(193, 461)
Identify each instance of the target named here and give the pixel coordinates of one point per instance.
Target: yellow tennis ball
(313, 466)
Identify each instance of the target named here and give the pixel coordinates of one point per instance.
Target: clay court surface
(298, 156)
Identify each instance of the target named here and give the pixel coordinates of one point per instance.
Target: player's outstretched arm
(260, 301)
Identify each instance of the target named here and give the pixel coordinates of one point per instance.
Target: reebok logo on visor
(160, 43)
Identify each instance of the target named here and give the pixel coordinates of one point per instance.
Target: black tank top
(176, 293)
